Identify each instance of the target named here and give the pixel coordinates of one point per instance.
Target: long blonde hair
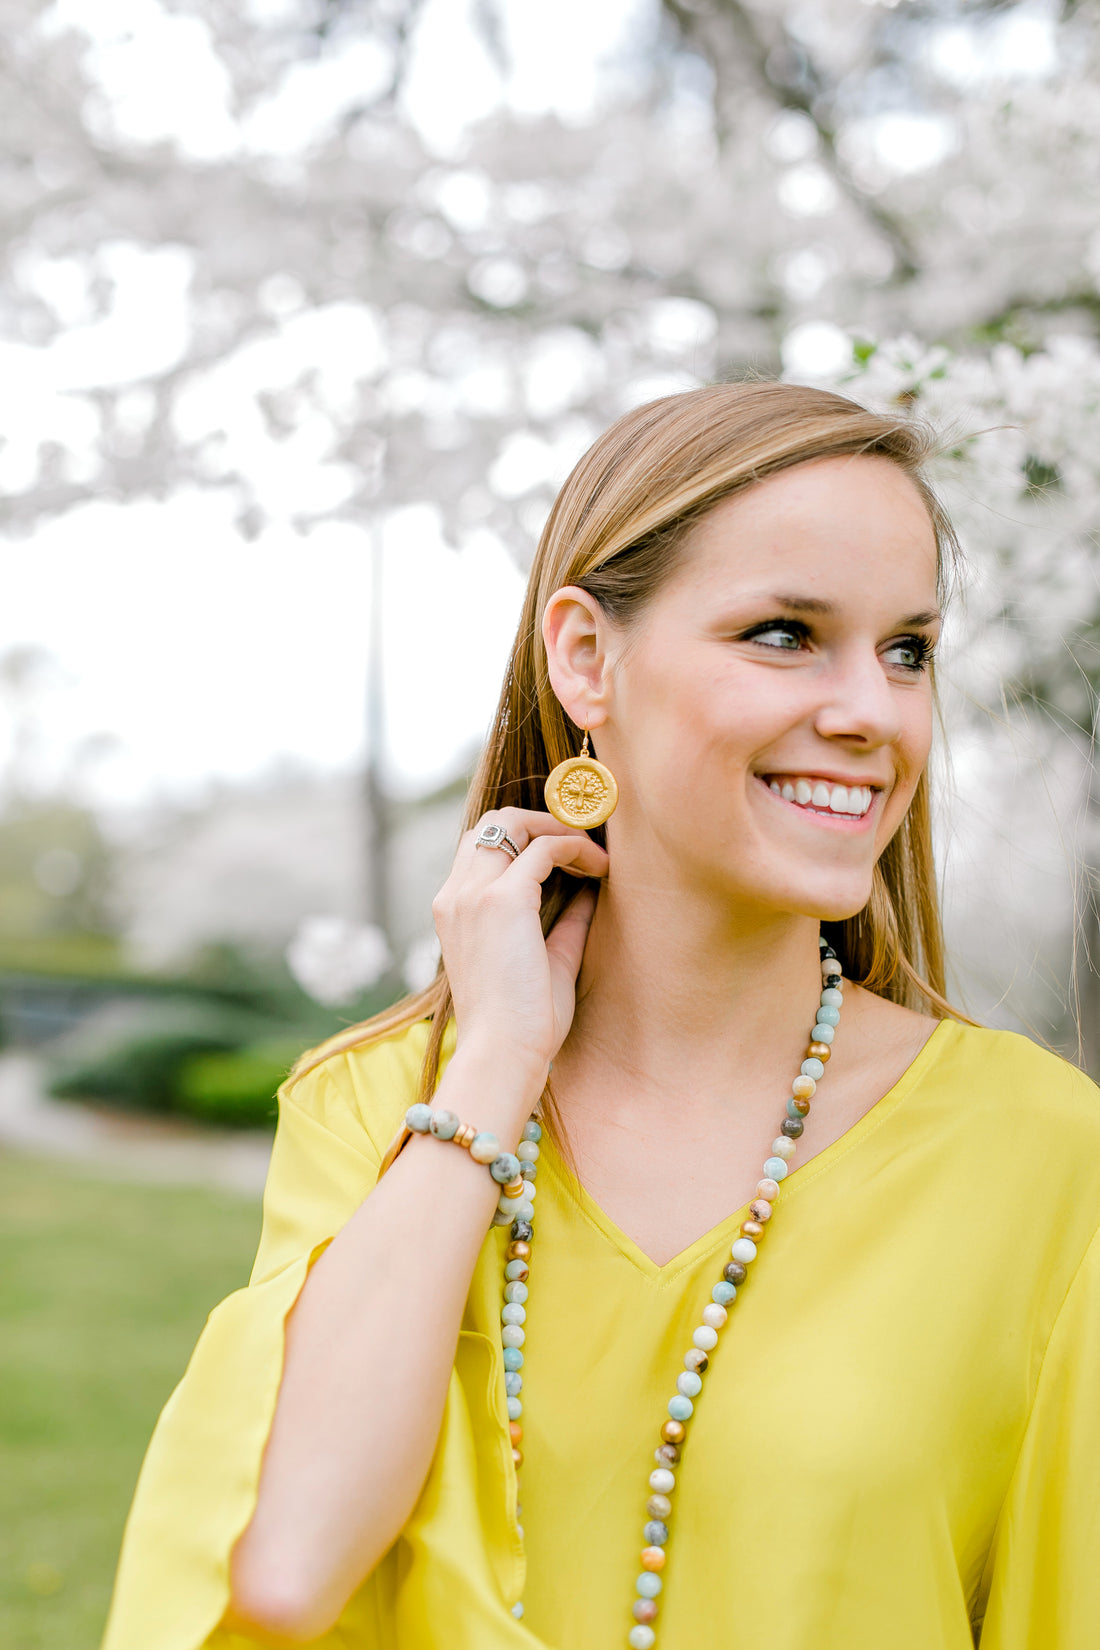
(616, 529)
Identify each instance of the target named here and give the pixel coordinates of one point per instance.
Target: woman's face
(770, 713)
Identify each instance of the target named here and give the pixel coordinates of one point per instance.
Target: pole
(376, 801)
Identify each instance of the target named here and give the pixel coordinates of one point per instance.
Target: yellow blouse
(899, 1434)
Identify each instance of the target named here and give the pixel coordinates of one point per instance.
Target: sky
(200, 655)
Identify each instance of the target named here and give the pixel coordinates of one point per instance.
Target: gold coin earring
(581, 791)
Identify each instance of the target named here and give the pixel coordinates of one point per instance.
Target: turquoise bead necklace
(516, 1208)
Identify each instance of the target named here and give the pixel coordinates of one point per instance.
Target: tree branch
(785, 70)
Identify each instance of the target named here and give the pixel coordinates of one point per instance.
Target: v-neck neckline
(873, 1118)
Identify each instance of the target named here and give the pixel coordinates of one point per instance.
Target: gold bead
(673, 1432)
(519, 1250)
(752, 1229)
(514, 1188)
(820, 1051)
(464, 1135)
(517, 1457)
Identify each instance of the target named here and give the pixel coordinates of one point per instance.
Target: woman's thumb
(566, 939)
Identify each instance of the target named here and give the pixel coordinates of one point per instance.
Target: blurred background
(308, 307)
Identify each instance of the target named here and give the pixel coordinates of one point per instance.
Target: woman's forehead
(829, 521)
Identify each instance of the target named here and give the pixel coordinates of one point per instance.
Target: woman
(872, 1388)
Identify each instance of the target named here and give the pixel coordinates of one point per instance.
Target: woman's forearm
(369, 1352)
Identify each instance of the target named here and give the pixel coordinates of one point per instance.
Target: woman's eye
(786, 637)
(912, 652)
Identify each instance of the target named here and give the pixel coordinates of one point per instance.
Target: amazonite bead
(681, 1408)
(775, 1168)
(828, 1016)
(723, 1293)
(532, 1130)
(444, 1124)
(714, 1316)
(528, 1170)
(832, 998)
(823, 1032)
(530, 1191)
(655, 1533)
(517, 1609)
(641, 1638)
(812, 1068)
(663, 1481)
(782, 1147)
(648, 1584)
(513, 1383)
(744, 1250)
(690, 1385)
(516, 1271)
(512, 1335)
(515, 1408)
(513, 1357)
(527, 1151)
(506, 1204)
(504, 1168)
(522, 1207)
(418, 1118)
(513, 1313)
(705, 1338)
(516, 1292)
(484, 1148)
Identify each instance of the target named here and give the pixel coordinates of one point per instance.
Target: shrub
(235, 1088)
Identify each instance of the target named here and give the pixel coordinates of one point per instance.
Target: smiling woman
(734, 604)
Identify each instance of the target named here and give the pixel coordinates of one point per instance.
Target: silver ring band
(495, 836)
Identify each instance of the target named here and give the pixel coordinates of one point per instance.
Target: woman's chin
(828, 900)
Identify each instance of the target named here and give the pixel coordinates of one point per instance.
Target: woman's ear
(576, 633)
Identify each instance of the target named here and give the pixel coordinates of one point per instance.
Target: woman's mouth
(822, 796)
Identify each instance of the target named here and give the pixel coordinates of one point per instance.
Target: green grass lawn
(104, 1287)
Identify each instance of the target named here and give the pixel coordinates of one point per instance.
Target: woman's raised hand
(514, 991)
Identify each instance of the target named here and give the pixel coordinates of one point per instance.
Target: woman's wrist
(493, 1089)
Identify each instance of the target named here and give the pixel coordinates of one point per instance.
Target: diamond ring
(495, 836)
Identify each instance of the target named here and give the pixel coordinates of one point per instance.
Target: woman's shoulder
(1025, 1119)
(366, 1081)
(1016, 1075)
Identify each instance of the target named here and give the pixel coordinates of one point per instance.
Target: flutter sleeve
(1043, 1574)
(199, 1482)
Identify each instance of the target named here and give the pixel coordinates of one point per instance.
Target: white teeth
(839, 799)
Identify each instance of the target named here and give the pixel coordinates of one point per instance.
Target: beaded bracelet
(517, 1187)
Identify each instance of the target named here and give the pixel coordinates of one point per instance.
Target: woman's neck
(677, 992)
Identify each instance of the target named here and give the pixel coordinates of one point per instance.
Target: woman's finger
(521, 824)
(575, 852)
(566, 940)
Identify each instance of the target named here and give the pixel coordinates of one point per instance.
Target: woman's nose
(859, 702)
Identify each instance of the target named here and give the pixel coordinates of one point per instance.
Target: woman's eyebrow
(817, 605)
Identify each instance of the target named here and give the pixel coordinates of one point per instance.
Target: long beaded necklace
(516, 1208)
